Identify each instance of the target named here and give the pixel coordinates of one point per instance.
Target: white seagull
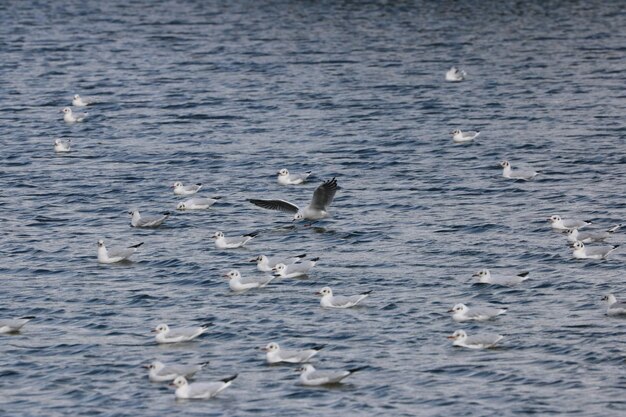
(166, 335)
(14, 325)
(275, 354)
(566, 224)
(317, 208)
(200, 390)
(574, 235)
(160, 372)
(285, 178)
(61, 146)
(223, 242)
(180, 189)
(109, 257)
(311, 377)
(70, 117)
(265, 263)
(480, 341)
(294, 270)
(152, 221)
(340, 301)
(454, 75)
(461, 137)
(614, 308)
(78, 101)
(197, 203)
(484, 277)
(507, 172)
(237, 283)
(592, 252)
(463, 313)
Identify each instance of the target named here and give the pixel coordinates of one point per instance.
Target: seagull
(200, 390)
(566, 224)
(454, 75)
(614, 308)
(152, 221)
(312, 377)
(222, 242)
(197, 203)
(238, 284)
(285, 178)
(480, 341)
(62, 146)
(339, 301)
(14, 325)
(78, 101)
(593, 252)
(160, 372)
(265, 264)
(463, 313)
(70, 117)
(109, 257)
(462, 137)
(519, 174)
(574, 235)
(180, 189)
(317, 208)
(484, 277)
(294, 270)
(165, 335)
(274, 354)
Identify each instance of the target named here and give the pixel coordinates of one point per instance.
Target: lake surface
(226, 94)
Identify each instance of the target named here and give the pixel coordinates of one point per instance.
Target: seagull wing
(324, 194)
(280, 205)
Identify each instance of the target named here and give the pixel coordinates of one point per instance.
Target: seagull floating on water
(566, 224)
(237, 283)
(160, 372)
(153, 221)
(61, 146)
(592, 252)
(275, 354)
(166, 335)
(479, 341)
(200, 390)
(317, 208)
(462, 313)
(223, 242)
(574, 235)
(70, 117)
(78, 101)
(295, 269)
(311, 377)
(461, 137)
(507, 172)
(285, 178)
(484, 277)
(112, 256)
(340, 301)
(454, 75)
(266, 264)
(14, 325)
(180, 189)
(614, 308)
(197, 203)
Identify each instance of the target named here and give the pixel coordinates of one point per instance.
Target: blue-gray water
(229, 92)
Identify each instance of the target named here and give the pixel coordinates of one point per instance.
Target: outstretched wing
(280, 205)
(324, 194)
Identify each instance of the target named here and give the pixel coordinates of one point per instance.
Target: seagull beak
(171, 385)
(475, 275)
(145, 366)
(252, 260)
(450, 337)
(263, 348)
(318, 293)
(451, 311)
(153, 330)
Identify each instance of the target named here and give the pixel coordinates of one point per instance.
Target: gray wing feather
(324, 194)
(280, 205)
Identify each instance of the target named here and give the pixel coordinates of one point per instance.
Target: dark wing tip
(367, 292)
(332, 184)
(204, 363)
(167, 213)
(319, 347)
(230, 378)
(523, 274)
(252, 234)
(300, 256)
(27, 318)
(217, 197)
(353, 370)
(137, 245)
(207, 325)
(315, 259)
(198, 184)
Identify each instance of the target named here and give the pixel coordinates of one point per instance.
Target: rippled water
(229, 92)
